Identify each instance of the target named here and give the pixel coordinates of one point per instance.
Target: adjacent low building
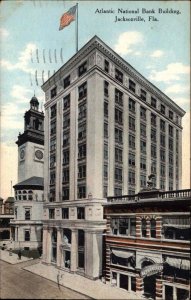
(147, 243)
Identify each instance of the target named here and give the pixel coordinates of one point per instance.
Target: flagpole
(76, 27)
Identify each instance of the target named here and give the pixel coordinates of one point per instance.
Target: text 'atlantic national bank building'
(106, 129)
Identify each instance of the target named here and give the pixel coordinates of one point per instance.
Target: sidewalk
(92, 288)
(12, 259)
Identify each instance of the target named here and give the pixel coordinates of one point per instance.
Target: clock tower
(31, 143)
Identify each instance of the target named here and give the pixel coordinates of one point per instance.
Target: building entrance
(150, 286)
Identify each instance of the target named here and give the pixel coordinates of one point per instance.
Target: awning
(181, 223)
(151, 270)
(177, 226)
(178, 263)
(122, 253)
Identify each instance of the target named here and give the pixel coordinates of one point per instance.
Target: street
(16, 283)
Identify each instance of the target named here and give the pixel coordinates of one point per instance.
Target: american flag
(67, 17)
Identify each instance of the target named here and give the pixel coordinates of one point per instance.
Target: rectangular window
(131, 141)
(118, 174)
(105, 109)
(81, 171)
(27, 235)
(52, 144)
(153, 167)
(143, 181)
(65, 193)
(143, 113)
(118, 116)
(66, 102)
(162, 125)
(106, 66)
(53, 111)
(117, 191)
(105, 151)
(81, 192)
(82, 151)
(143, 129)
(82, 90)
(162, 184)
(170, 144)
(132, 85)
(118, 97)
(153, 135)
(162, 140)
(170, 158)
(82, 131)
(106, 88)
(27, 214)
(52, 177)
(131, 105)
(153, 119)
(80, 212)
(66, 157)
(52, 161)
(118, 136)
(66, 139)
(170, 172)
(131, 123)
(119, 75)
(153, 102)
(143, 163)
(162, 155)
(51, 213)
(52, 195)
(66, 120)
(65, 175)
(53, 127)
(82, 111)
(66, 81)
(153, 151)
(53, 92)
(131, 177)
(118, 155)
(82, 69)
(162, 109)
(131, 159)
(105, 172)
(170, 130)
(171, 115)
(143, 95)
(65, 213)
(105, 130)
(143, 146)
(162, 170)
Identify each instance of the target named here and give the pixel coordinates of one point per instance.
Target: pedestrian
(19, 254)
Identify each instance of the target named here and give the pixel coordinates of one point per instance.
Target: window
(82, 69)
(105, 109)
(143, 146)
(118, 116)
(80, 212)
(106, 66)
(170, 130)
(153, 167)
(52, 161)
(52, 177)
(105, 171)
(153, 151)
(153, 228)
(82, 151)
(144, 227)
(82, 111)
(131, 105)
(143, 113)
(170, 172)
(123, 226)
(106, 88)
(131, 177)
(105, 191)
(153, 135)
(153, 102)
(27, 214)
(66, 139)
(66, 81)
(81, 192)
(82, 131)
(118, 174)
(27, 235)
(53, 92)
(81, 243)
(143, 129)
(162, 125)
(131, 141)
(66, 157)
(132, 85)
(81, 171)
(153, 119)
(66, 102)
(117, 191)
(66, 120)
(171, 115)
(52, 144)
(118, 155)
(65, 175)
(65, 213)
(53, 127)
(119, 75)
(143, 163)
(162, 184)
(131, 159)
(170, 144)
(52, 195)
(82, 91)
(162, 170)
(105, 151)
(162, 140)
(131, 123)
(170, 158)
(51, 213)
(105, 130)
(53, 111)
(66, 236)
(65, 193)
(118, 135)
(143, 180)
(118, 97)
(162, 109)
(162, 155)
(143, 95)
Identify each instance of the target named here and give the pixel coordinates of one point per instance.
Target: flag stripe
(67, 17)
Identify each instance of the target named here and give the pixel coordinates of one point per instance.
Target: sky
(33, 48)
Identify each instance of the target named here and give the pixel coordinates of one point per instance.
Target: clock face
(22, 153)
(39, 154)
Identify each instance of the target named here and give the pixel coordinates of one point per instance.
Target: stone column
(44, 246)
(59, 250)
(159, 288)
(139, 284)
(148, 231)
(138, 227)
(158, 227)
(48, 246)
(74, 251)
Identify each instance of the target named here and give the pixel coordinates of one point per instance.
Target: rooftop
(34, 181)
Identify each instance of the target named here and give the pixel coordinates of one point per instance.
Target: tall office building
(29, 196)
(106, 129)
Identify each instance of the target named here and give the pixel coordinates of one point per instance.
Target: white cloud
(126, 41)
(172, 72)
(177, 88)
(157, 53)
(181, 101)
(10, 114)
(4, 32)
(20, 94)
(23, 60)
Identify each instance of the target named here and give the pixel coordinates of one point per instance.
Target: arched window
(153, 228)
(24, 195)
(144, 224)
(30, 195)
